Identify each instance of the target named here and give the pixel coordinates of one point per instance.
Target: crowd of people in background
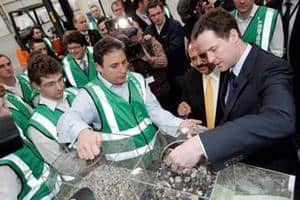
(233, 65)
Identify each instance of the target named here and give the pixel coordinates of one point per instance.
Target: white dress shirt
(159, 28)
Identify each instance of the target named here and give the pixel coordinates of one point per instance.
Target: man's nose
(198, 61)
(59, 85)
(211, 57)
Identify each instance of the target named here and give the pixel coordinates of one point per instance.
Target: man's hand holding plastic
(88, 144)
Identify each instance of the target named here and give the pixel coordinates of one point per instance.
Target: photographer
(147, 57)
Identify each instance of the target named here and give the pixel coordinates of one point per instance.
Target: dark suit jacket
(94, 36)
(141, 22)
(193, 94)
(259, 118)
(294, 47)
(294, 57)
(172, 39)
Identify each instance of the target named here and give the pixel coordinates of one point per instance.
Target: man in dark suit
(170, 34)
(81, 25)
(291, 25)
(140, 15)
(259, 115)
(202, 78)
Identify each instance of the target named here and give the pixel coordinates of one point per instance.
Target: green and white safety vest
(39, 180)
(28, 92)
(75, 74)
(21, 111)
(93, 25)
(49, 45)
(45, 120)
(127, 130)
(261, 28)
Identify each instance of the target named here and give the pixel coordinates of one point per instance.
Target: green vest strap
(127, 130)
(261, 28)
(75, 74)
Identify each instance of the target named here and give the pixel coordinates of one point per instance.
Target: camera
(134, 51)
(10, 138)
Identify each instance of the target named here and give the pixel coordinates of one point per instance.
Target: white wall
(3, 30)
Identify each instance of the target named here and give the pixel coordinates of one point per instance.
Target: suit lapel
(240, 82)
(202, 100)
(237, 90)
(220, 102)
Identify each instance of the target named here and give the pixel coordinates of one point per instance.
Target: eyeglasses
(74, 48)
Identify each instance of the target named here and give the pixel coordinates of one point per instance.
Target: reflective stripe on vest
(266, 34)
(107, 110)
(81, 76)
(32, 182)
(136, 137)
(67, 67)
(44, 122)
(132, 154)
(17, 103)
(127, 133)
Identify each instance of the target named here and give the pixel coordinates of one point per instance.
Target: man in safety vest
(78, 65)
(45, 74)
(121, 106)
(260, 25)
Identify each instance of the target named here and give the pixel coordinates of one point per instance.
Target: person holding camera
(148, 58)
(106, 26)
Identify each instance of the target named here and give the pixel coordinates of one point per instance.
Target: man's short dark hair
(41, 65)
(106, 45)
(217, 20)
(117, 2)
(102, 19)
(34, 41)
(136, 3)
(154, 4)
(33, 28)
(75, 37)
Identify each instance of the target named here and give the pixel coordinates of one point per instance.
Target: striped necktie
(85, 66)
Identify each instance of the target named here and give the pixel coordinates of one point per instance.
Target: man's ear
(234, 35)
(36, 86)
(99, 68)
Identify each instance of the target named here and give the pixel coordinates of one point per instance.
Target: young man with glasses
(46, 76)
(78, 65)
